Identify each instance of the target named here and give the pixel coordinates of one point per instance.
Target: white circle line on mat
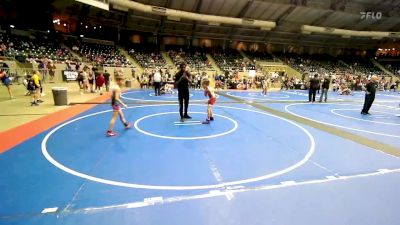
(169, 187)
(332, 124)
(333, 111)
(136, 125)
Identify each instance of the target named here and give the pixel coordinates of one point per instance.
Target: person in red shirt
(100, 80)
(209, 92)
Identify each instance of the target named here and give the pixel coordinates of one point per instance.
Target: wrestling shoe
(187, 117)
(128, 125)
(206, 122)
(212, 118)
(111, 134)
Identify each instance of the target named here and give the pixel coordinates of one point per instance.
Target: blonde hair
(205, 82)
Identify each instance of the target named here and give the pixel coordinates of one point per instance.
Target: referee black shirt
(183, 84)
(371, 87)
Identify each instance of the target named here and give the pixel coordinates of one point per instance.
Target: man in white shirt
(157, 82)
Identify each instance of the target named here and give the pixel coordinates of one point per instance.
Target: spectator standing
(314, 86)
(81, 81)
(91, 79)
(157, 82)
(6, 80)
(43, 69)
(107, 80)
(100, 80)
(52, 67)
(325, 88)
(369, 95)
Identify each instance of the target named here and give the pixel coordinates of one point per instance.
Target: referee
(369, 94)
(182, 81)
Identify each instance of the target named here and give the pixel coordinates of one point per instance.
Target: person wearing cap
(182, 81)
(369, 94)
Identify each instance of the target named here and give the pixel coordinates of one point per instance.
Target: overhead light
(58, 23)
(81, 35)
(48, 31)
(81, 23)
(379, 49)
(86, 26)
(393, 49)
(100, 27)
(94, 28)
(65, 24)
(12, 26)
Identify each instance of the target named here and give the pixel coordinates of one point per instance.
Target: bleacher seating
(101, 54)
(259, 56)
(228, 60)
(328, 64)
(32, 48)
(195, 58)
(148, 57)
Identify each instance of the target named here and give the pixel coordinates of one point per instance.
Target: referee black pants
(183, 97)
(369, 99)
(311, 94)
(157, 86)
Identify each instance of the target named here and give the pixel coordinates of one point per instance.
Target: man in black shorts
(182, 81)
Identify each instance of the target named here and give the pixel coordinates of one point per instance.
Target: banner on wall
(274, 68)
(69, 75)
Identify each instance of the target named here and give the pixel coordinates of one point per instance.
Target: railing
(7, 58)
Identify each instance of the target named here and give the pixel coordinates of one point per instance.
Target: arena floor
(273, 159)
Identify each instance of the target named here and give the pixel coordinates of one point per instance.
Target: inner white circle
(235, 126)
(165, 187)
(336, 125)
(371, 121)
